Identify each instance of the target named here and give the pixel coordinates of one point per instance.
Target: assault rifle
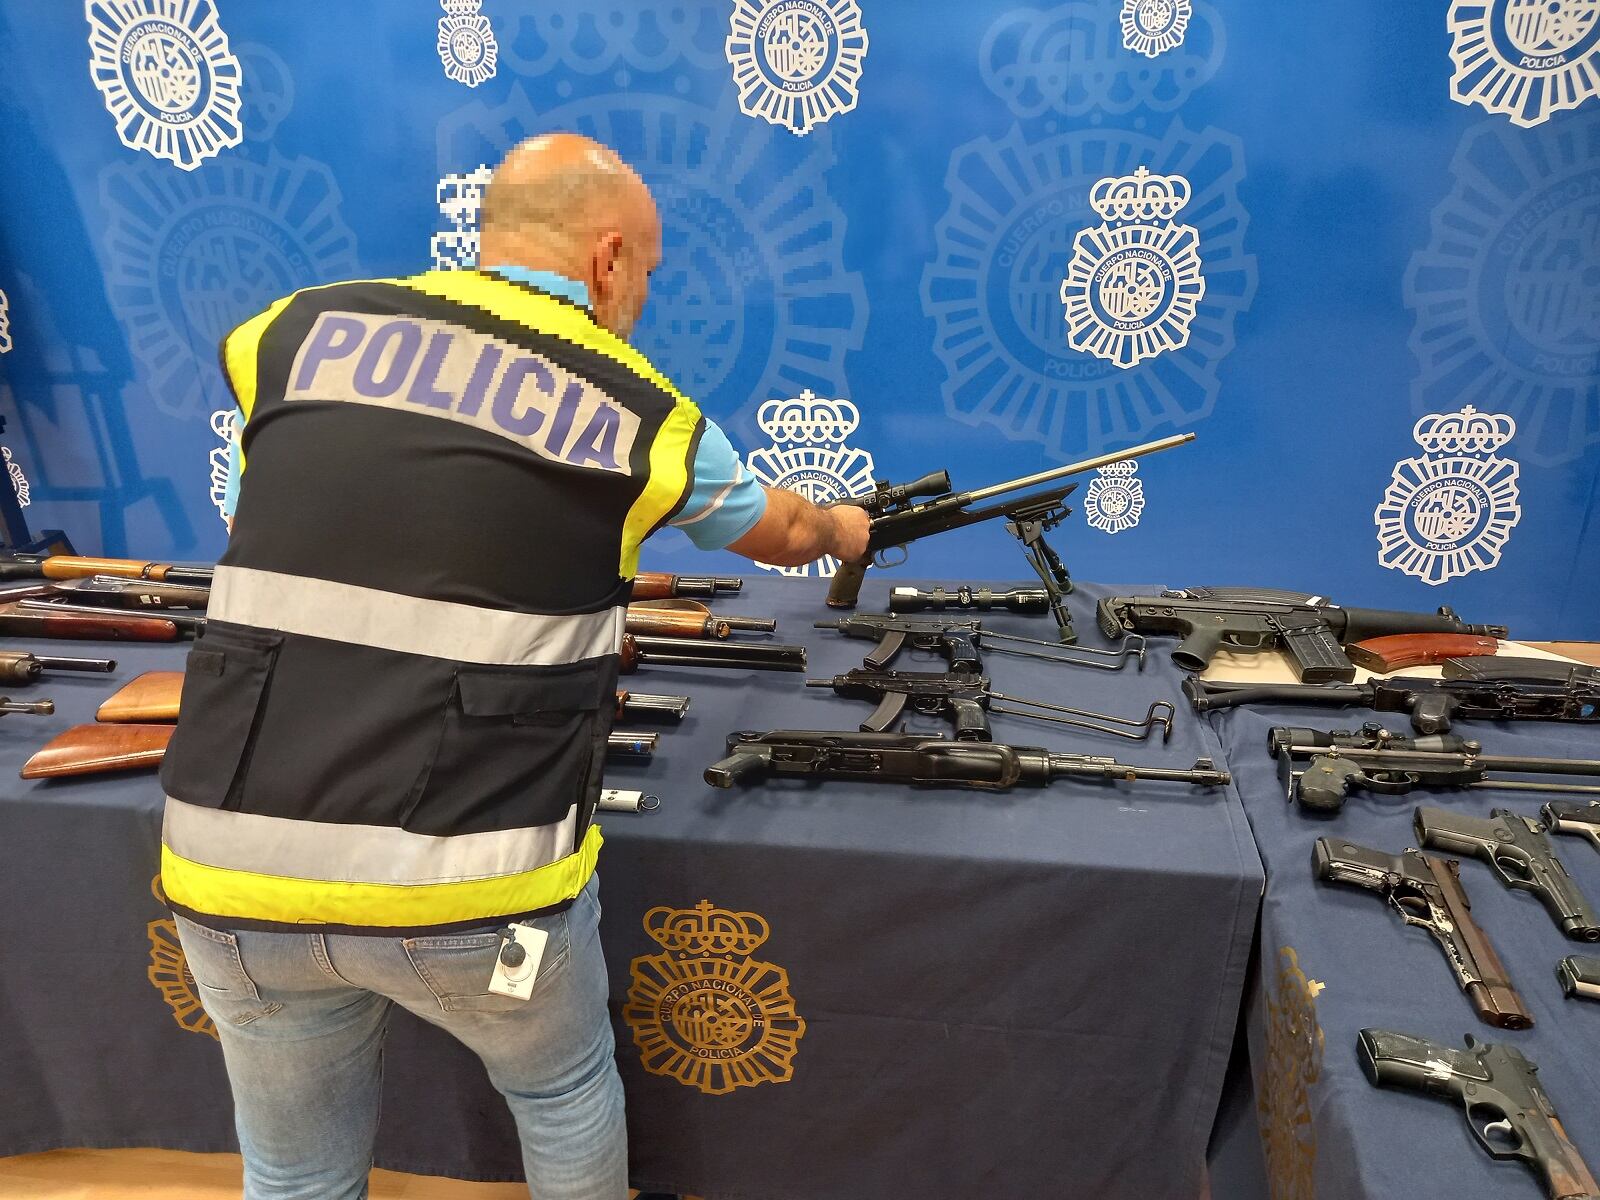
(1308, 628)
(967, 700)
(905, 513)
(1426, 892)
(1516, 849)
(1497, 1089)
(1373, 759)
(1432, 703)
(908, 758)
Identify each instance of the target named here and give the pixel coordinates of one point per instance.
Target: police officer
(394, 728)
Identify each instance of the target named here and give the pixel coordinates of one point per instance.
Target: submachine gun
(904, 513)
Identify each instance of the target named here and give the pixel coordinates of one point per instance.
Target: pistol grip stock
(971, 722)
(1198, 645)
(739, 767)
(1321, 788)
(1317, 655)
(845, 589)
(886, 714)
(961, 651)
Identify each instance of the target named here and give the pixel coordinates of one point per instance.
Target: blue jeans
(302, 1018)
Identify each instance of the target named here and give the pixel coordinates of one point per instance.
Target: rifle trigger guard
(1390, 783)
(881, 558)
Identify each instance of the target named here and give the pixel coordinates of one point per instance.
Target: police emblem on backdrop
(167, 76)
(169, 974)
(1283, 1087)
(224, 423)
(188, 257)
(808, 455)
(796, 63)
(1134, 281)
(704, 1012)
(753, 290)
(19, 481)
(455, 248)
(1152, 27)
(1070, 60)
(467, 49)
(1114, 500)
(1451, 511)
(1506, 297)
(1524, 58)
(5, 324)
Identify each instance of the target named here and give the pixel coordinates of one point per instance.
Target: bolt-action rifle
(1376, 760)
(905, 513)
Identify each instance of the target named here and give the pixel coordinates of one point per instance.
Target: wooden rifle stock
(96, 749)
(16, 621)
(1400, 650)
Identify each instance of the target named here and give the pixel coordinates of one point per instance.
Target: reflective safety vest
(396, 720)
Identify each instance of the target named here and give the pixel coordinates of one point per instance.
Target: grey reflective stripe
(342, 612)
(330, 852)
(716, 501)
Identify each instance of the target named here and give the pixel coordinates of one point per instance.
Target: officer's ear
(607, 250)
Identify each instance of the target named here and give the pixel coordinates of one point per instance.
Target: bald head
(565, 203)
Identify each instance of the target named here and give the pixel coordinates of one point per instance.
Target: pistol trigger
(1493, 1128)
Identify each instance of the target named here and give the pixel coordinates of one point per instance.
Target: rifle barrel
(1087, 464)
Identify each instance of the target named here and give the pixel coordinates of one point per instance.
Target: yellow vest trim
(220, 892)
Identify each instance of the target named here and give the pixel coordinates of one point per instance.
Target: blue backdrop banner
(1355, 248)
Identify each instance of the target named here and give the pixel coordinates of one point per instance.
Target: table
(1334, 960)
(962, 994)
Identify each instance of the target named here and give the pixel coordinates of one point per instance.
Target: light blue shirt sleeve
(725, 501)
(230, 493)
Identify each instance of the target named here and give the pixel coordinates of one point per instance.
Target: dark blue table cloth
(1334, 960)
(932, 993)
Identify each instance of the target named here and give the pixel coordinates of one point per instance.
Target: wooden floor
(174, 1175)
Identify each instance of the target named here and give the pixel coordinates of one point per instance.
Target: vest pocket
(224, 683)
(516, 748)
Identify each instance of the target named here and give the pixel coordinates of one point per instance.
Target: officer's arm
(793, 531)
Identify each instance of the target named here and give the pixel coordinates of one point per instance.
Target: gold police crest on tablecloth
(705, 1013)
(1294, 1063)
(169, 972)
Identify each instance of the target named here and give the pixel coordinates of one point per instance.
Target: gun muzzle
(37, 708)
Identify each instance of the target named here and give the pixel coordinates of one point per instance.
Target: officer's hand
(851, 525)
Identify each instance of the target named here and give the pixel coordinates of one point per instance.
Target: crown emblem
(706, 929)
(1140, 196)
(1466, 432)
(808, 420)
(1122, 468)
(460, 8)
